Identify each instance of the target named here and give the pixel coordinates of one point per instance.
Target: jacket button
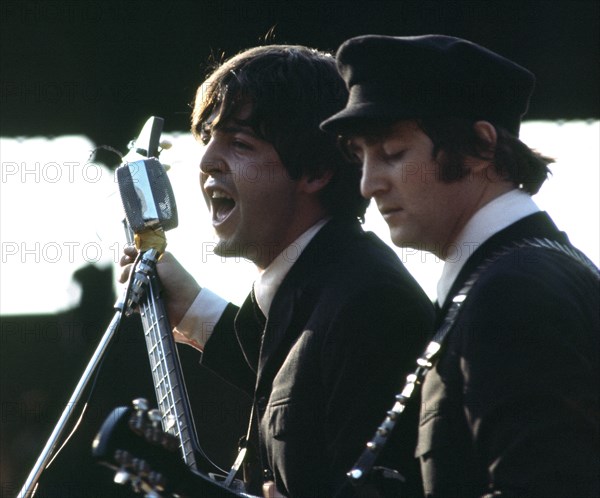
(267, 475)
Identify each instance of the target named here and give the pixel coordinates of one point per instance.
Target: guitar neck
(167, 374)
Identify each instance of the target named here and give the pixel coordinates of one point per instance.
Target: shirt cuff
(201, 317)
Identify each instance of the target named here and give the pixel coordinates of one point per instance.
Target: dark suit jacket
(344, 329)
(512, 406)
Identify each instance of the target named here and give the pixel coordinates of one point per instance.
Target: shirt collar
(268, 282)
(489, 220)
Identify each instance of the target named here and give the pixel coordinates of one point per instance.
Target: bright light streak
(59, 212)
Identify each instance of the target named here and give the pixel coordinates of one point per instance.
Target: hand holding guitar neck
(180, 288)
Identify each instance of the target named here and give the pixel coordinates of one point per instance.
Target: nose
(212, 161)
(372, 181)
(212, 164)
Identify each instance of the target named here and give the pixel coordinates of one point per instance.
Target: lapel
(295, 299)
(535, 225)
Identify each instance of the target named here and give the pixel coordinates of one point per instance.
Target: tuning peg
(136, 484)
(155, 417)
(153, 430)
(137, 422)
(121, 477)
(157, 481)
(165, 144)
(140, 404)
(141, 467)
(124, 459)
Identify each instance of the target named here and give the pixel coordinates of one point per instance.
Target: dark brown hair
(456, 139)
(513, 160)
(291, 89)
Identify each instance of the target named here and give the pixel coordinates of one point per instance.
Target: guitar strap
(243, 448)
(365, 464)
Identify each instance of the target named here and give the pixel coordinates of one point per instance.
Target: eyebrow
(236, 129)
(368, 139)
(238, 126)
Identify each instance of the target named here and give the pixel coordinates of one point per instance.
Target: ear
(487, 133)
(314, 183)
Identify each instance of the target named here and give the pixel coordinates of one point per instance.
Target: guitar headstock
(133, 444)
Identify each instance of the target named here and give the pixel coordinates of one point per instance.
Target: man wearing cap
(510, 408)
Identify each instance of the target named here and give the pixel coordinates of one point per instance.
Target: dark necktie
(259, 316)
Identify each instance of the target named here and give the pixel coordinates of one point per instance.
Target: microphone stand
(30, 486)
(148, 142)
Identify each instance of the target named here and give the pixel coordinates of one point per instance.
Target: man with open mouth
(334, 320)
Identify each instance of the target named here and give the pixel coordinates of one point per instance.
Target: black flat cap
(395, 78)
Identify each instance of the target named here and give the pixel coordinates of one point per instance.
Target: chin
(399, 238)
(226, 249)
(405, 242)
(233, 249)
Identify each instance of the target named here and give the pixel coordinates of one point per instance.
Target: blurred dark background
(101, 68)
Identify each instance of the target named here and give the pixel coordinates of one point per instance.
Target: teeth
(219, 195)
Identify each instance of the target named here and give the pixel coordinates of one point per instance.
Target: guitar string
(183, 400)
(162, 370)
(169, 396)
(158, 367)
(190, 425)
(158, 364)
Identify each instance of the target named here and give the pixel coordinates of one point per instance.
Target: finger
(131, 251)
(125, 274)
(270, 491)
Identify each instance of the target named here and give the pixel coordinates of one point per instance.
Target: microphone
(149, 206)
(145, 189)
(147, 195)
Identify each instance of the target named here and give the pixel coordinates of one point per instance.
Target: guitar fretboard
(168, 384)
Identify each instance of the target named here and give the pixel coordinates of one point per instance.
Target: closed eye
(393, 157)
(238, 144)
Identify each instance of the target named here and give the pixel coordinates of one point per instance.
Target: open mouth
(221, 205)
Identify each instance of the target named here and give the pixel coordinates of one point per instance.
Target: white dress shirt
(496, 215)
(206, 310)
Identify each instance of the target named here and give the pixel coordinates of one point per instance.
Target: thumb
(270, 491)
